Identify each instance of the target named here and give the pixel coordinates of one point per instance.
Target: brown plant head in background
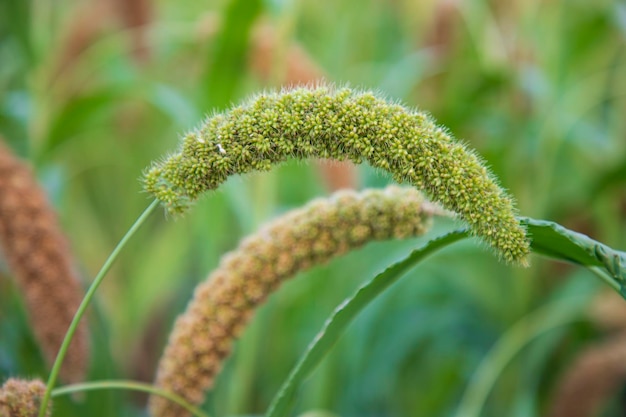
(89, 22)
(445, 23)
(299, 67)
(40, 260)
(97, 18)
(135, 16)
(202, 337)
(595, 376)
(608, 311)
(21, 398)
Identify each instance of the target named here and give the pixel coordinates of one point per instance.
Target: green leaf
(130, 386)
(548, 238)
(555, 241)
(15, 25)
(77, 115)
(228, 60)
(336, 325)
(540, 322)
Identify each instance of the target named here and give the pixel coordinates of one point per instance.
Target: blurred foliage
(537, 87)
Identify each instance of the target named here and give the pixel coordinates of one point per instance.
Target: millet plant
(329, 123)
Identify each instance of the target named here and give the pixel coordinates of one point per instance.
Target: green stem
(532, 326)
(128, 385)
(54, 373)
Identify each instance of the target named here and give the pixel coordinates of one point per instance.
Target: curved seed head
(341, 124)
(202, 336)
(40, 260)
(22, 398)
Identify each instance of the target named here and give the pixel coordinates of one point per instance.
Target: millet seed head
(22, 398)
(221, 307)
(40, 261)
(341, 124)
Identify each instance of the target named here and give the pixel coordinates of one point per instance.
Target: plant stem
(128, 385)
(54, 373)
(530, 327)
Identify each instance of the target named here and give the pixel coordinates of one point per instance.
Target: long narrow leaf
(227, 63)
(548, 238)
(529, 328)
(336, 325)
(555, 241)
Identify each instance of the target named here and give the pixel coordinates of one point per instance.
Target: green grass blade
(345, 313)
(56, 367)
(227, 63)
(529, 328)
(555, 241)
(130, 386)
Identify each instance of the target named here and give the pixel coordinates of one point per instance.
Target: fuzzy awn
(341, 124)
(203, 335)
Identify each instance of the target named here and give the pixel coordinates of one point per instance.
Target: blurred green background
(92, 91)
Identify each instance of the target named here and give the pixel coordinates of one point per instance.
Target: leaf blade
(555, 241)
(345, 313)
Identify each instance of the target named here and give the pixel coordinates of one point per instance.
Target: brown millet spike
(222, 305)
(608, 312)
(596, 375)
(40, 260)
(21, 398)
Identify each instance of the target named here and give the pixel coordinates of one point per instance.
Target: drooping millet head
(341, 124)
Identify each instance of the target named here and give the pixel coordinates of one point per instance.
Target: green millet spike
(327, 122)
